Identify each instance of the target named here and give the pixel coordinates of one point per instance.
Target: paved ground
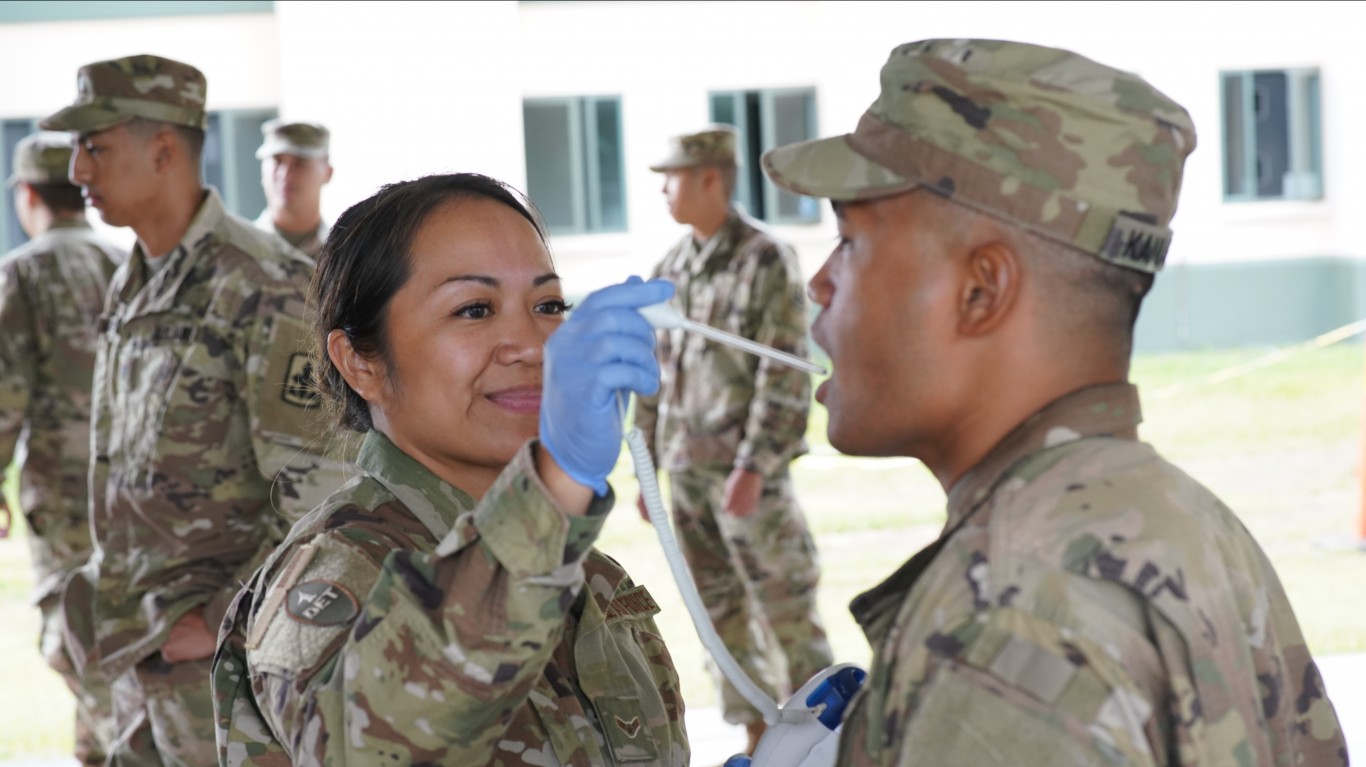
(713, 740)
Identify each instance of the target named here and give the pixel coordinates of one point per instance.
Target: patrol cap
(110, 93)
(42, 158)
(1070, 149)
(713, 145)
(301, 139)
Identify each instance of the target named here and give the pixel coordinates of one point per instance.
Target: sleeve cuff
(527, 532)
(766, 465)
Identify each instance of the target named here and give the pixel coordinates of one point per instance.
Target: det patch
(299, 388)
(321, 603)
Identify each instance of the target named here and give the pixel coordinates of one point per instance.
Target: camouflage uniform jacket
(465, 635)
(1087, 603)
(206, 432)
(719, 407)
(310, 245)
(51, 294)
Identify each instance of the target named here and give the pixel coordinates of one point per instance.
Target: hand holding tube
(604, 347)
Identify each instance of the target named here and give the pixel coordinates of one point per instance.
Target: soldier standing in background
(1003, 209)
(51, 294)
(726, 425)
(294, 169)
(205, 426)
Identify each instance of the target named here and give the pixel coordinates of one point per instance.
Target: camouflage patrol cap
(1053, 142)
(42, 158)
(714, 145)
(110, 93)
(301, 139)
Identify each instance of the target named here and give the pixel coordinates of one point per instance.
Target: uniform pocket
(146, 372)
(629, 736)
(627, 674)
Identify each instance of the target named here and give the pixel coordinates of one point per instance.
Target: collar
(69, 223)
(719, 242)
(413, 484)
(1103, 410)
(206, 221)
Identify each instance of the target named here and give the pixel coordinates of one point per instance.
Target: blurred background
(572, 100)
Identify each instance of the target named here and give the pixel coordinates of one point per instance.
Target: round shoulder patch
(321, 603)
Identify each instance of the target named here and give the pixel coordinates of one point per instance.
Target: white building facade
(576, 99)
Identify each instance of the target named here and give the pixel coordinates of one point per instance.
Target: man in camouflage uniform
(51, 293)
(294, 169)
(726, 425)
(1002, 210)
(205, 432)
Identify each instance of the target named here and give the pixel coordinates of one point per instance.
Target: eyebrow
(493, 282)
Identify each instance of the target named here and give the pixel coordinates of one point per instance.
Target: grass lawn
(1282, 446)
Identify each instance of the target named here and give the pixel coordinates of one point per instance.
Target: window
(230, 163)
(80, 10)
(11, 131)
(574, 163)
(1272, 145)
(767, 119)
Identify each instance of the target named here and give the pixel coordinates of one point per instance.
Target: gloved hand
(604, 347)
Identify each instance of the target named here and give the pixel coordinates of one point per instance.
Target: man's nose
(79, 170)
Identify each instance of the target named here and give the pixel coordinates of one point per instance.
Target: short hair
(367, 259)
(192, 139)
(1092, 296)
(729, 176)
(59, 198)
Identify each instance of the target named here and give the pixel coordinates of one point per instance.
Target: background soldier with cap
(204, 423)
(726, 425)
(51, 293)
(1002, 209)
(294, 169)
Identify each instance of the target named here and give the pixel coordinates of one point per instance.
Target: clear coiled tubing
(659, 518)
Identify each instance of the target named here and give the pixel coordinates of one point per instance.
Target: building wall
(411, 88)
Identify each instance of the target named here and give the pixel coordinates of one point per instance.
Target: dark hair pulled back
(367, 259)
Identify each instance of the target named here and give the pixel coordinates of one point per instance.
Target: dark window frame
(1291, 134)
(753, 189)
(594, 129)
(234, 131)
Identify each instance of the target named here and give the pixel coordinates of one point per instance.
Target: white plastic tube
(659, 517)
(665, 317)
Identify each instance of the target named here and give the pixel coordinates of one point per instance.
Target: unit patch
(321, 603)
(299, 387)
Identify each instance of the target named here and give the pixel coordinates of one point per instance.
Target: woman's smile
(518, 399)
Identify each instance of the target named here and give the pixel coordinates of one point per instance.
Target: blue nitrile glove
(604, 347)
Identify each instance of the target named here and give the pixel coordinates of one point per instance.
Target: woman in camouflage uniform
(447, 606)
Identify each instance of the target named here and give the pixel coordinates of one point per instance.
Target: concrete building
(573, 100)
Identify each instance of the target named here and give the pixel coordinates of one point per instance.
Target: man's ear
(24, 199)
(990, 287)
(711, 177)
(23, 195)
(365, 375)
(164, 147)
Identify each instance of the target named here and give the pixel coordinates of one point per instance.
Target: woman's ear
(991, 284)
(365, 375)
